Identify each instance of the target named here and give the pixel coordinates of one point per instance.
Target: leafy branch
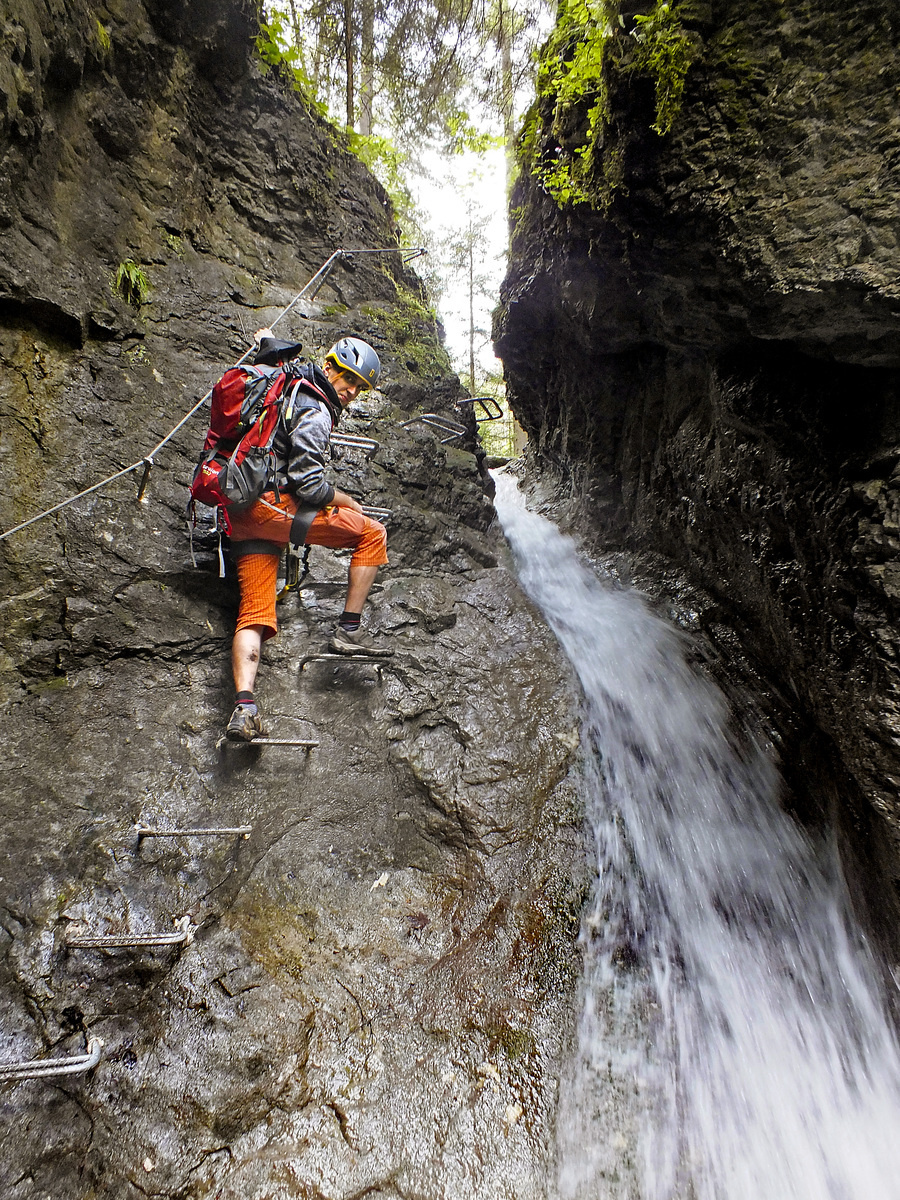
(590, 44)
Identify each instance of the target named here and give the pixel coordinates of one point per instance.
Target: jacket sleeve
(307, 455)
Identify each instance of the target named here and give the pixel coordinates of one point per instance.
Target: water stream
(733, 1042)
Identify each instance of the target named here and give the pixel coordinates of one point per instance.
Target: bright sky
(443, 202)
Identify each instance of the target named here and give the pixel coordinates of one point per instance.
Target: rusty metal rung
(145, 831)
(46, 1068)
(267, 741)
(442, 424)
(488, 405)
(183, 937)
(352, 442)
(145, 478)
(374, 659)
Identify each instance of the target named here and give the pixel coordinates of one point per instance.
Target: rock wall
(380, 980)
(705, 354)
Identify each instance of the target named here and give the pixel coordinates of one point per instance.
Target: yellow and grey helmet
(353, 355)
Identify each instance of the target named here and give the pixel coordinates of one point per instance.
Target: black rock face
(708, 370)
(380, 980)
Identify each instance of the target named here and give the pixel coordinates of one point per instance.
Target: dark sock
(349, 621)
(244, 698)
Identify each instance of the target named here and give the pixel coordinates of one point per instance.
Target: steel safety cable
(148, 460)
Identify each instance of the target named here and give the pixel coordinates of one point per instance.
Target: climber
(306, 508)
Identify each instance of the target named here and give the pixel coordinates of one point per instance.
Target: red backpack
(238, 462)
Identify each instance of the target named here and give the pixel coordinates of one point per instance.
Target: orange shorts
(336, 528)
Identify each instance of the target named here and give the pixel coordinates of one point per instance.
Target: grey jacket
(301, 446)
(301, 450)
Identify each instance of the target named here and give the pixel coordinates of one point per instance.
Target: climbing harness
(43, 1068)
(296, 569)
(308, 292)
(296, 565)
(117, 941)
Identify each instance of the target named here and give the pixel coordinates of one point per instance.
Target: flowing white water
(733, 1042)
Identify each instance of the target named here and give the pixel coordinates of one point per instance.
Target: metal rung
(145, 478)
(488, 405)
(267, 741)
(377, 514)
(378, 659)
(145, 831)
(46, 1068)
(444, 424)
(183, 937)
(354, 443)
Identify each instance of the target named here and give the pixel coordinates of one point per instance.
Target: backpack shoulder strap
(301, 394)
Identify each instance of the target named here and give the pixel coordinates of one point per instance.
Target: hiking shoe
(357, 642)
(245, 724)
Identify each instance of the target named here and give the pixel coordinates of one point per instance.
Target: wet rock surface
(708, 371)
(379, 984)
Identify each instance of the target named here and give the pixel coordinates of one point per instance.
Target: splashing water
(733, 1041)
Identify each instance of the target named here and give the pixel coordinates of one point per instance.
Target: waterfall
(733, 1041)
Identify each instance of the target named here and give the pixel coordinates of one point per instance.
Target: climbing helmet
(356, 356)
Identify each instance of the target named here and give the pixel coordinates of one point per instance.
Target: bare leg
(359, 581)
(245, 651)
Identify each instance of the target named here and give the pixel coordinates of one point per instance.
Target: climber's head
(352, 366)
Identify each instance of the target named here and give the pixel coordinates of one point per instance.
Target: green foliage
(103, 39)
(588, 47)
(571, 72)
(387, 164)
(272, 44)
(274, 47)
(132, 283)
(392, 168)
(463, 137)
(664, 52)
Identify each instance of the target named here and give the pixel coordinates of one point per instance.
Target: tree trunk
(367, 67)
(320, 56)
(471, 308)
(295, 25)
(348, 61)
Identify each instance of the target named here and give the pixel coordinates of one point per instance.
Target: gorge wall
(702, 338)
(380, 982)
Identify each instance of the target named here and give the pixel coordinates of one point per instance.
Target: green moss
(664, 52)
(410, 327)
(284, 60)
(103, 39)
(737, 73)
(278, 940)
(569, 142)
(132, 283)
(43, 687)
(515, 1043)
